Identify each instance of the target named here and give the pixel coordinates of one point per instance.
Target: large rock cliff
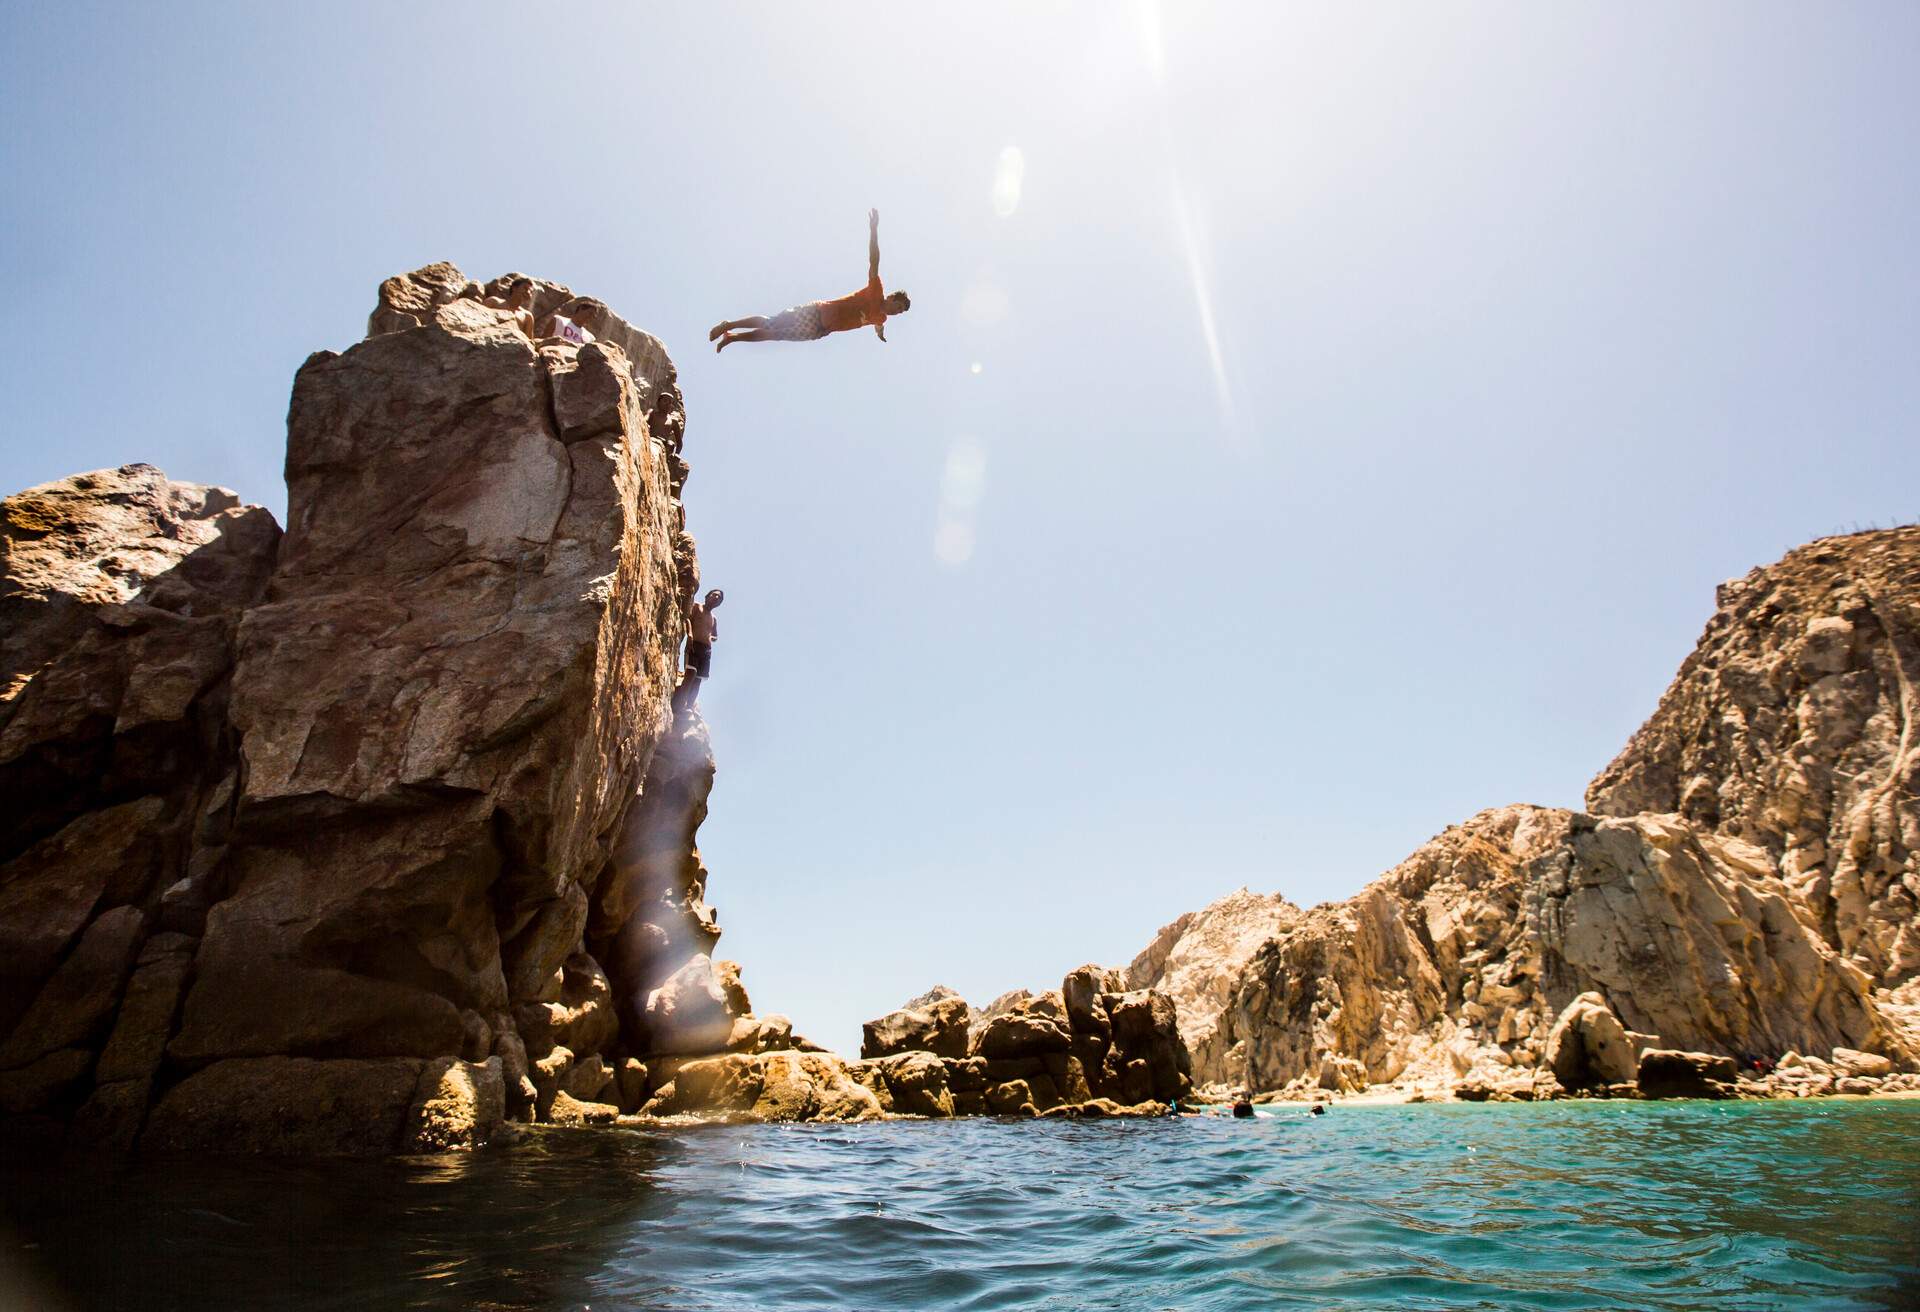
(1743, 883)
(1791, 727)
(364, 836)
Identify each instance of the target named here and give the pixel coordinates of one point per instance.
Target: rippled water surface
(1570, 1205)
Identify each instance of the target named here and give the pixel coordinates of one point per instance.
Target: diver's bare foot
(722, 346)
(718, 329)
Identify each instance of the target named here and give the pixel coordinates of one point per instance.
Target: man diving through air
(804, 323)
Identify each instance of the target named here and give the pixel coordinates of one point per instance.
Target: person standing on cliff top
(805, 323)
(701, 631)
(517, 299)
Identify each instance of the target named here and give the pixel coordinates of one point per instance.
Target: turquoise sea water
(1568, 1205)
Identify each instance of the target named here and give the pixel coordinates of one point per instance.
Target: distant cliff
(1744, 882)
(1196, 959)
(367, 835)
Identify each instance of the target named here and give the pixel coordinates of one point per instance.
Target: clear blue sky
(1366, 406)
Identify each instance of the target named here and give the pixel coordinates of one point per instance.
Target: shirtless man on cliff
(803, 323)
(702, 629)
(517, 299)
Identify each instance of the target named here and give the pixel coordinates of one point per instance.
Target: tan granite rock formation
(1588, 1046)
(1746, 884)
(1791, 729)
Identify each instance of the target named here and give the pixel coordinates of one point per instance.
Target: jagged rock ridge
(1744, 883)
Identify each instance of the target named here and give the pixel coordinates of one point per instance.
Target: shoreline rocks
(773, 1086)
(1588, 1046)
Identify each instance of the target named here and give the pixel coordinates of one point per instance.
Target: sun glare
(1186, 227)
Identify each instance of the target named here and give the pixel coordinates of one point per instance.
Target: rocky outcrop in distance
(1741, 889)
(370, 835)
(1091, 1048)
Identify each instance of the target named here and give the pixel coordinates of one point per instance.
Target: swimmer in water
(1242, 1105)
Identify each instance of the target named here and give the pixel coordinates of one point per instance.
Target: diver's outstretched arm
(873, 245)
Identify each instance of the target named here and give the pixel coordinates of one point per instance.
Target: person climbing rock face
(869, 306)
(698, 663)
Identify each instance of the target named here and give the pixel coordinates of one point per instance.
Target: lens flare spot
(975, 367)
(1008, 175)
(964, 481)
(953, 542)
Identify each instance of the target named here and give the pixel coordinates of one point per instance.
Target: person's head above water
(897, 303)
